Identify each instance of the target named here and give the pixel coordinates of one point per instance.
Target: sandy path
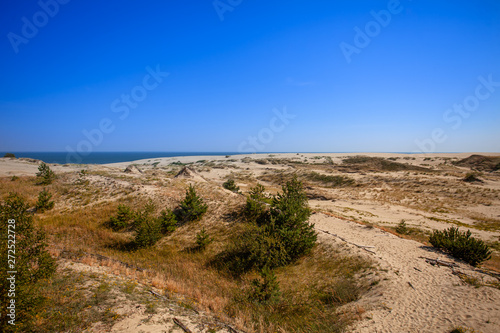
(438, 300)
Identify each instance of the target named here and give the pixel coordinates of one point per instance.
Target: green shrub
(202, 240)
(148, 229)
(124, 217)
(471, 178)
(330, 180)
(461, 245)
(192, 208)
(256, 203)
(402, 228)
(14, 178)
(45, 174)
(32, 261)
(231, 186)
(288, 218)
(168, 221)
(280, 236)
(267, 291)
(9, 155)
(44, 202)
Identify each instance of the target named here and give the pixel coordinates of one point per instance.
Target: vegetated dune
(358, 200)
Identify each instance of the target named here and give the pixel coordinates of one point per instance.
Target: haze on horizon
(250, 76)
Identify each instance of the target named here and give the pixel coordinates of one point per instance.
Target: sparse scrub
(148, 229)
(124, 217)
(402, 228)
(168, 221)
(256, 203)
(10, 155)
(192, 208)
(32, 261)
(333, 181)
(266, 291)
(45, 174)
(44, 202)
(202, 240)
(461, 245)
(231, 186)
(471, 178)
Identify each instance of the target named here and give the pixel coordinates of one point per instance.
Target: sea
(109, 157)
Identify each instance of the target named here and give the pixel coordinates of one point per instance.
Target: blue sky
(318, 76)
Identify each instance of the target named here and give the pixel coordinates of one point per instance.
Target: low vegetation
(45, 174)
(44, 203)
(24, 250)
(461, 245)
(192, 208)
(231, 186)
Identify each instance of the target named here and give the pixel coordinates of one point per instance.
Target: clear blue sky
(233, 65)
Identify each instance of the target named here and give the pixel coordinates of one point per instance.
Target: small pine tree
(168, 221)
(192, 208)
(289, 215)
(32, 261)
(44, 202)
(123, 218)
(267, 291)
(148, 228)
(231, 186)
(402, 228)
(461, 245)
(202, 240)
(256, 203)
(45, 174)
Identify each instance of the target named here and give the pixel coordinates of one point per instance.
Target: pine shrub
(124, 217)
(266, 291)
(402, 228)
(44, 202)
(168, 221)
(192, 208)
(461, 245)
(32, 261)
(45, 174)
(256, 203)
(231, 186)
(148, 229)
(202, 240)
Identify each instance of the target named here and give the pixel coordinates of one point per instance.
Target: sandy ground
(413, 295)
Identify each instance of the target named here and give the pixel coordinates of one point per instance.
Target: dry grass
(84, 203)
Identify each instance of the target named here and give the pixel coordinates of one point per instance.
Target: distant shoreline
(105, 158)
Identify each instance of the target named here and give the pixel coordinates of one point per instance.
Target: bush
(402, 228)
(288, 219)
(45, 174)
(32, 261)
(280, 236)
(123, 218)
(44, 202)
(461, 245)
(168, 221)
(471, 178)
(191, 208)
(202, 240)
(267, 291)
(256, 203)
(148, 228)
(9, 155)
(231, 186)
